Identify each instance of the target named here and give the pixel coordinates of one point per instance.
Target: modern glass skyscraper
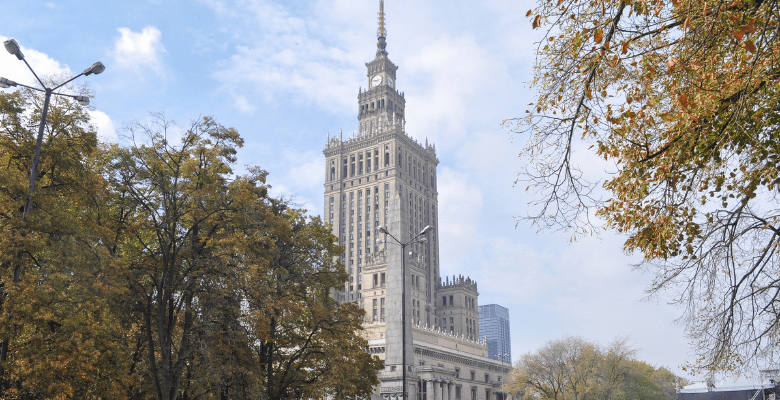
(494, 324)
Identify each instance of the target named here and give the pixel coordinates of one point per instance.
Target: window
(382, 282)
(444, 302)
(474, 377)
(487, 379)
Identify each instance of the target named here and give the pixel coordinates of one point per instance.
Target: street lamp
(13, 47)
(416, 239)
(503, 374)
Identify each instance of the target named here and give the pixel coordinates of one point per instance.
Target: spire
(381, 32)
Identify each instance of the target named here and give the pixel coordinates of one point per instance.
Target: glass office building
(494, 325)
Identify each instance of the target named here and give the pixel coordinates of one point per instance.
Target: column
(445, 392)
(429, 390)
(451, 390)
(436, 390)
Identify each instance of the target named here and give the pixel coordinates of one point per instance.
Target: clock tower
(381, 103)
(422, 326)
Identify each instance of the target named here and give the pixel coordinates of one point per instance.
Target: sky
(286, 74)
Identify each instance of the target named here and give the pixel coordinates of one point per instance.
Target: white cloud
(278, 54)
(44, 66)
(139, 51)
(450, 75)
(243, 104)
(105, 127)
(460, 206)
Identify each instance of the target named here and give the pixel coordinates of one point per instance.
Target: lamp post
(15, 50)
(416, 239)
(503, 374)
(13, 47)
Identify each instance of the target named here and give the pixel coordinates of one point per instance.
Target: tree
(573, 369)
(681, 97)
(172, 208)
(60, 336)
(307, 345)
(230, 289)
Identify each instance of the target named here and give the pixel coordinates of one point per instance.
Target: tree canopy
(152, 270)
(682, 99)
(575, 369)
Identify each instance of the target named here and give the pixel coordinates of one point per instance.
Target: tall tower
(494, 325)
(380, 176)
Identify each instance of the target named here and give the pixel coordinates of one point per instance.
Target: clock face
(389, 81)
(376, 80)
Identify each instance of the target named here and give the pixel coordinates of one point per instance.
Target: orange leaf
(683, 99)
(537, 21)
(598, 36)
(749, 46)
(749, 28)
(528, 14)
(687, 23)
(625, 48)
(658, 8)
(738, 35)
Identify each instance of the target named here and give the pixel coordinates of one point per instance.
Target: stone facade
(380, 176)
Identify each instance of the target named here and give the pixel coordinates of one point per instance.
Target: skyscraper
(494, 325)
(380, 176)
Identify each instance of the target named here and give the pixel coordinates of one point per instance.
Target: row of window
(380, 103)
(359, 163)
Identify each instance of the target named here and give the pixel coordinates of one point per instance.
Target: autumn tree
(229, 289)
(60, 336)
(307, 345)
(173, 203)
(573, 368)
(681, 99)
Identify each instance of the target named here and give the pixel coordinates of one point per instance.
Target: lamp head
(14, 48)
(96, 68)
(382, 229)
(4, 83)
(423, 240)
(82, 100)
(426, 229)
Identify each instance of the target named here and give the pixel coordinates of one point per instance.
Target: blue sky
(287, 73)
